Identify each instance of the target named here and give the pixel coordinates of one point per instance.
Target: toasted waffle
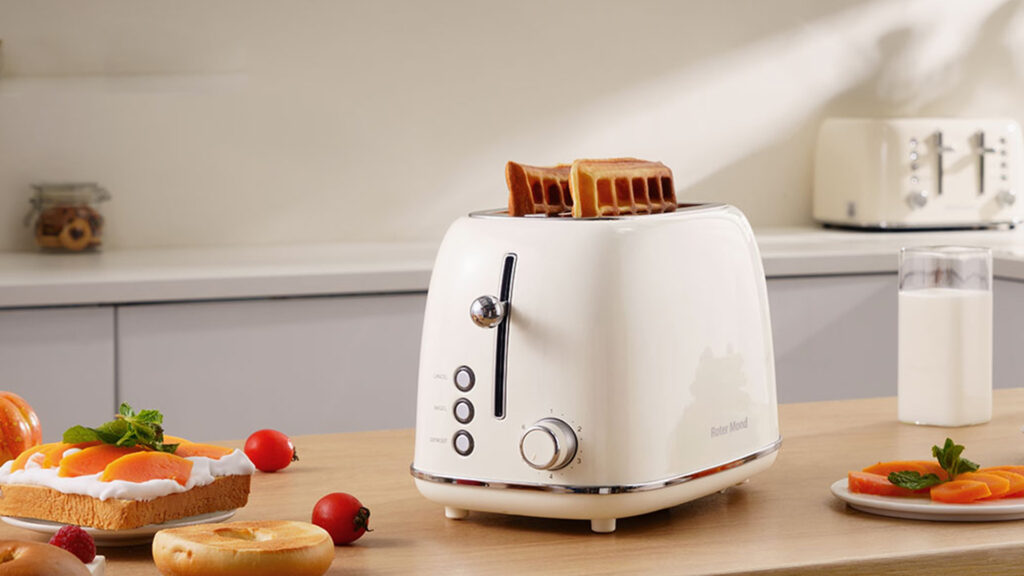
(620, 186)
(537, 190)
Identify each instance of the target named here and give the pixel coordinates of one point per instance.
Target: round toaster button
(463, 443)
(463, 410)
(464, 378)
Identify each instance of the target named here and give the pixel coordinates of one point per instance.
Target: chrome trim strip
(681, 208)
(569, 489)
(902, 226)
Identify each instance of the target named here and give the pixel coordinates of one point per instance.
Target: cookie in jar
(67, 216)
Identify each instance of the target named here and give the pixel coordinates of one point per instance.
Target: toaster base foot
(460, 513)
(602, 525)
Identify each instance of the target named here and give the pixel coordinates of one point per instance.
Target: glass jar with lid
(67, 215)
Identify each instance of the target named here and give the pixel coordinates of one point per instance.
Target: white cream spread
(204, 471)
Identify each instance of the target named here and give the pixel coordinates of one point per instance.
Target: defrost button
(464, 378)
(463, 443)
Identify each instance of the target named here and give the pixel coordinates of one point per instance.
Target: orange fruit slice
(143, 466)
(93, 460)
(207, 450)
(55, 452)
(22, 459)
(923, 467)
(960, 491)
(869, 483)
(1016, 482)
(997, 485)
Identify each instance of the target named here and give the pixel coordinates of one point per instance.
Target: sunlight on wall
(706, 118)
(257, 122)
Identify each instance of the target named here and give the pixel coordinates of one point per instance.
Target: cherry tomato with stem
(270, 450)
(343, 516)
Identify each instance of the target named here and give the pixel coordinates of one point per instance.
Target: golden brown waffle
(620, 186)
(537, 189)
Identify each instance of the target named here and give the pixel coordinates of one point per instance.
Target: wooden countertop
(784, 521)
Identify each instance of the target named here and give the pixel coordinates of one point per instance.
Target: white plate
(110, 538)
(924, 509)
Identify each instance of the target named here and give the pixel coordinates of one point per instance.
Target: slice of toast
(40, 502)
(620, 186)
(537, 189)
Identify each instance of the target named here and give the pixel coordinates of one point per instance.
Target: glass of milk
(945, 335)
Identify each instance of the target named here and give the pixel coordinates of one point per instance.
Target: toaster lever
(982, 150)
(940, 149)
(488, 311)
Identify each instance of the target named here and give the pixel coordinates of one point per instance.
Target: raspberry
(77, 541)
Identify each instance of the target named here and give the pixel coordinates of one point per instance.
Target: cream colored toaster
(918, 173)
(594, 369)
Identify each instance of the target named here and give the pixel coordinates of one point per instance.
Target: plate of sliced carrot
(949, 488)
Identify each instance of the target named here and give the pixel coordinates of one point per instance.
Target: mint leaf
(913, 480)
(150, 417)
(78, 434)
(126, 429)
(112, 432)
(950, 460)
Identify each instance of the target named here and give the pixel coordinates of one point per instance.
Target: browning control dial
(549, 444)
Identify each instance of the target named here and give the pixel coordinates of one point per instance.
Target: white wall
(252, 122)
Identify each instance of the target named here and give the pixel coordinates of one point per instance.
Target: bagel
(20, 558)
(267, 548)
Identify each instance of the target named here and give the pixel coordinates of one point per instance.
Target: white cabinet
(835, 337)
(1008, 334)
(62, 361)
(221, 370)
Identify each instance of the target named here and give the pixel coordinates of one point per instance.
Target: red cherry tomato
(270, 450)
(344, 517)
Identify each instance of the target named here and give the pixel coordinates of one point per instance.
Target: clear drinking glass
(945, 335)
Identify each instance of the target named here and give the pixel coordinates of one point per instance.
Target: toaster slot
(508, 271)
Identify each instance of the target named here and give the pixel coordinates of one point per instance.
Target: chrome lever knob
(487, 311)
(1007, 198)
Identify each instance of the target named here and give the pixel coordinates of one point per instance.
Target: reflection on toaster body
(720, 401)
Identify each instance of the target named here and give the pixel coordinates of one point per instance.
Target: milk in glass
(945, 336)
(945, 356)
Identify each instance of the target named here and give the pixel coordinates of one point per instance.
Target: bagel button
(463, 410)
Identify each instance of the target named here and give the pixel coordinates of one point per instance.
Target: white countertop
(163, 275)
(816, 251)
(167, 275)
